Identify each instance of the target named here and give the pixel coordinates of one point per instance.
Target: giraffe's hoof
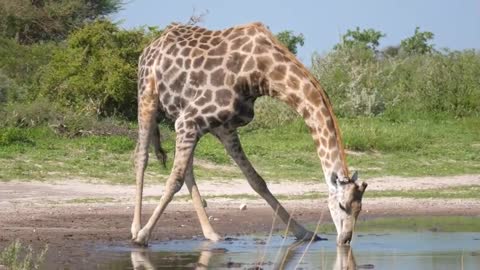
(141, 239)
(214, 237)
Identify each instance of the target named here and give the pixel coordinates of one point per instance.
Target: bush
(97, 71)
(18, 68)
(364, 84)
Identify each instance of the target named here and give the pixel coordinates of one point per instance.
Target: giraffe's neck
(312, 103)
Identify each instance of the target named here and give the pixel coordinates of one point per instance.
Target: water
(425, 250)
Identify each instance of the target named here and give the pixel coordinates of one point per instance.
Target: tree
(290, 40)
(30, 21)
(418, 43)
(367, 38)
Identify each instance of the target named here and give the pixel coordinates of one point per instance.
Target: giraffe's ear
(334, 179)
(354, 177)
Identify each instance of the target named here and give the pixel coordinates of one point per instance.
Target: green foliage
(11, 136)
(18, 67)
(19, 257)
(290, 40)
(418, 43)
(367, 38)
(401, 86)
(31, 21)
(97, 71)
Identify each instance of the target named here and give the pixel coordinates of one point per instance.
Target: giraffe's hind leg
(186, 140)
(230, 140)
(147, 109)
(207, 228)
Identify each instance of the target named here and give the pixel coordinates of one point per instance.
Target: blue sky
(455, 23)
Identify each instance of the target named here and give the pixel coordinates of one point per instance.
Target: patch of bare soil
(43, 213)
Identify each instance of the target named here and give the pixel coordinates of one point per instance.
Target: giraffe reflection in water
(291, 259)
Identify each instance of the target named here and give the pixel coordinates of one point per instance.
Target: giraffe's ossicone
(207, 82)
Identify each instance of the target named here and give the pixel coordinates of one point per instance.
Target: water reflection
(345, 259)
(289, 257)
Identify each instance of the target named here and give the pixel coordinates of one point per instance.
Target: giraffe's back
(212, 77)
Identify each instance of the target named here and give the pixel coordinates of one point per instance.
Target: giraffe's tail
(157, 145)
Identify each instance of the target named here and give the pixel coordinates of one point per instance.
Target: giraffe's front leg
(207, 228)
(185, 145)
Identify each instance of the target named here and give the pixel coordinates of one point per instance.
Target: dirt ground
(72, 216)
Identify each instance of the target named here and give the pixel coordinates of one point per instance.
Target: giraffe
(207, 82)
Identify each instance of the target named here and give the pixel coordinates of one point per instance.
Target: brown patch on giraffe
(278, 72)
(295, 70)
(196, 52)
(215, 41)
(294, 100)
(227, 32)
(192, 43)
(191, 111)
(313, 95)
(200, 121)
(170, 74)
(260, 50)
(190, 92)
(207, 97)
(242, 86)
(205, 39)
(179, 62)
(216, 33)
(219, 50)
(224, 115)
(204, 47)
(235, 34)
(217, 78)
(248, 47)
(330, 124)
(212, 63)
(264, 63)
(223, 97)
(179, 82)
(209, 109)
(197, 62)
(249, 65)
(251, 31)
(237, 43)
(182, 43)
(235, 62)
(332, 141)
(230, 79)
(162, 88)
(293, 82)
(186, 51)
(305, 113)
(188, 62)
(166, 63)
(263, 41)
(198, 78)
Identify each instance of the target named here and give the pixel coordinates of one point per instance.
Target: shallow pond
(399, 250)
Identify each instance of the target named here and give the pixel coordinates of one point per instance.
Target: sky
(455, 23)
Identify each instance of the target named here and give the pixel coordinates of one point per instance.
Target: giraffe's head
(345, 203)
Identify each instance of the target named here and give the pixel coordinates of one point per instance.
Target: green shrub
(10, 136)
(97, 70)
(361, 83)
(18, 68)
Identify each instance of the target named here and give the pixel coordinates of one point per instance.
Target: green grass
(17, 256)
(418, 147)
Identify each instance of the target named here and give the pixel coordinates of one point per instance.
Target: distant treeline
(65, 59)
